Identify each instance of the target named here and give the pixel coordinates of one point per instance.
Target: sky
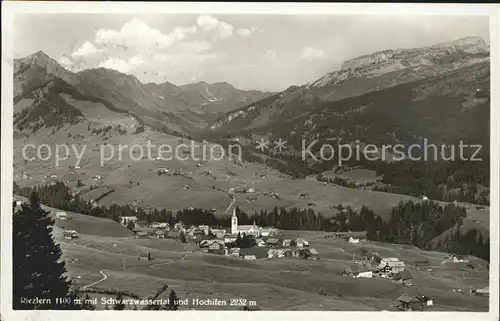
(264, 52)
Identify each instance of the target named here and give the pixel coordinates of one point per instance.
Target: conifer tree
(173, 301)
(86, 305)
(119, 305)
(38, 271)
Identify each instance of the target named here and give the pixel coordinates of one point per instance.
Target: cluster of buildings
(144, 230)
(388, 268)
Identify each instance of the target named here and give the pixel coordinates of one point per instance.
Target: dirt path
(97, 282)
(230, 204)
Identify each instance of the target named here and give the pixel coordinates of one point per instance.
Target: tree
(173, 301)
(182, 237)
(86, 305)
(38, 270)
(131, 225)
(119, 305)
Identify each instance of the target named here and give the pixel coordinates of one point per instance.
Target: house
(204, 228)
(457, 259)
(358, 271)
(145, 256)
(260, 243)
(287, 252)
(482, 292)
(353, 240)
(275, 253)
(274, 243)
(414, 303)
(141, 235)
(250, 257)
(196, 233)
(391, 265)
(126, 219)
(216, 245)
(69, 234)
(301, 243)
(404, 277)
(160, 234)
(228, 238)
(61, 215)
(268, 231)
(310, 254)
(287, 242)
(160, 225)
(178, 226)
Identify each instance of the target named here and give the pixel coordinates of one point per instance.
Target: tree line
(409, 222)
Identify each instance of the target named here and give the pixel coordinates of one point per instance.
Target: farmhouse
(275, 253)
(301, 243)
(268, 231)
(391, 265)
(145, 256)
(160, 225)
(457, 259)
(310, 254)
(414, 303)
(287, 242)
(228, 238)
(260, 243)
(482, 292)
(69, 234)
(126, 219)
(61, 216)
(358, 271)
(160, 234)
(353, 240)
(274, 243)
(404, 277)
(141, 235)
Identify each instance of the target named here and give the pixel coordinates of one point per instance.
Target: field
(200, 183)
(110, 262)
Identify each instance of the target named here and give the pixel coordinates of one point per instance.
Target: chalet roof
(483, 290)
(357, 268)
(272, 241)
(313, 251)
(407, 298)
(390, 259)
(246, 227)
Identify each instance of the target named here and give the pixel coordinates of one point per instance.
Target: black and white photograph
(250, 161)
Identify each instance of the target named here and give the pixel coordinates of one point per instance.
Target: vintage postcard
(206, 160)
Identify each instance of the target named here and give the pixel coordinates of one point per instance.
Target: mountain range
(358, 76)
(40, 81)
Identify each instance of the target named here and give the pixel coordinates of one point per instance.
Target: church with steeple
(243, 229)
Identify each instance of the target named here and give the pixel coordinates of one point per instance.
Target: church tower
(234, 223)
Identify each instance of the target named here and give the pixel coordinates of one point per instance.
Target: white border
(9, 9)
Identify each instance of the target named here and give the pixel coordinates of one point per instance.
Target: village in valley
(267, 244)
